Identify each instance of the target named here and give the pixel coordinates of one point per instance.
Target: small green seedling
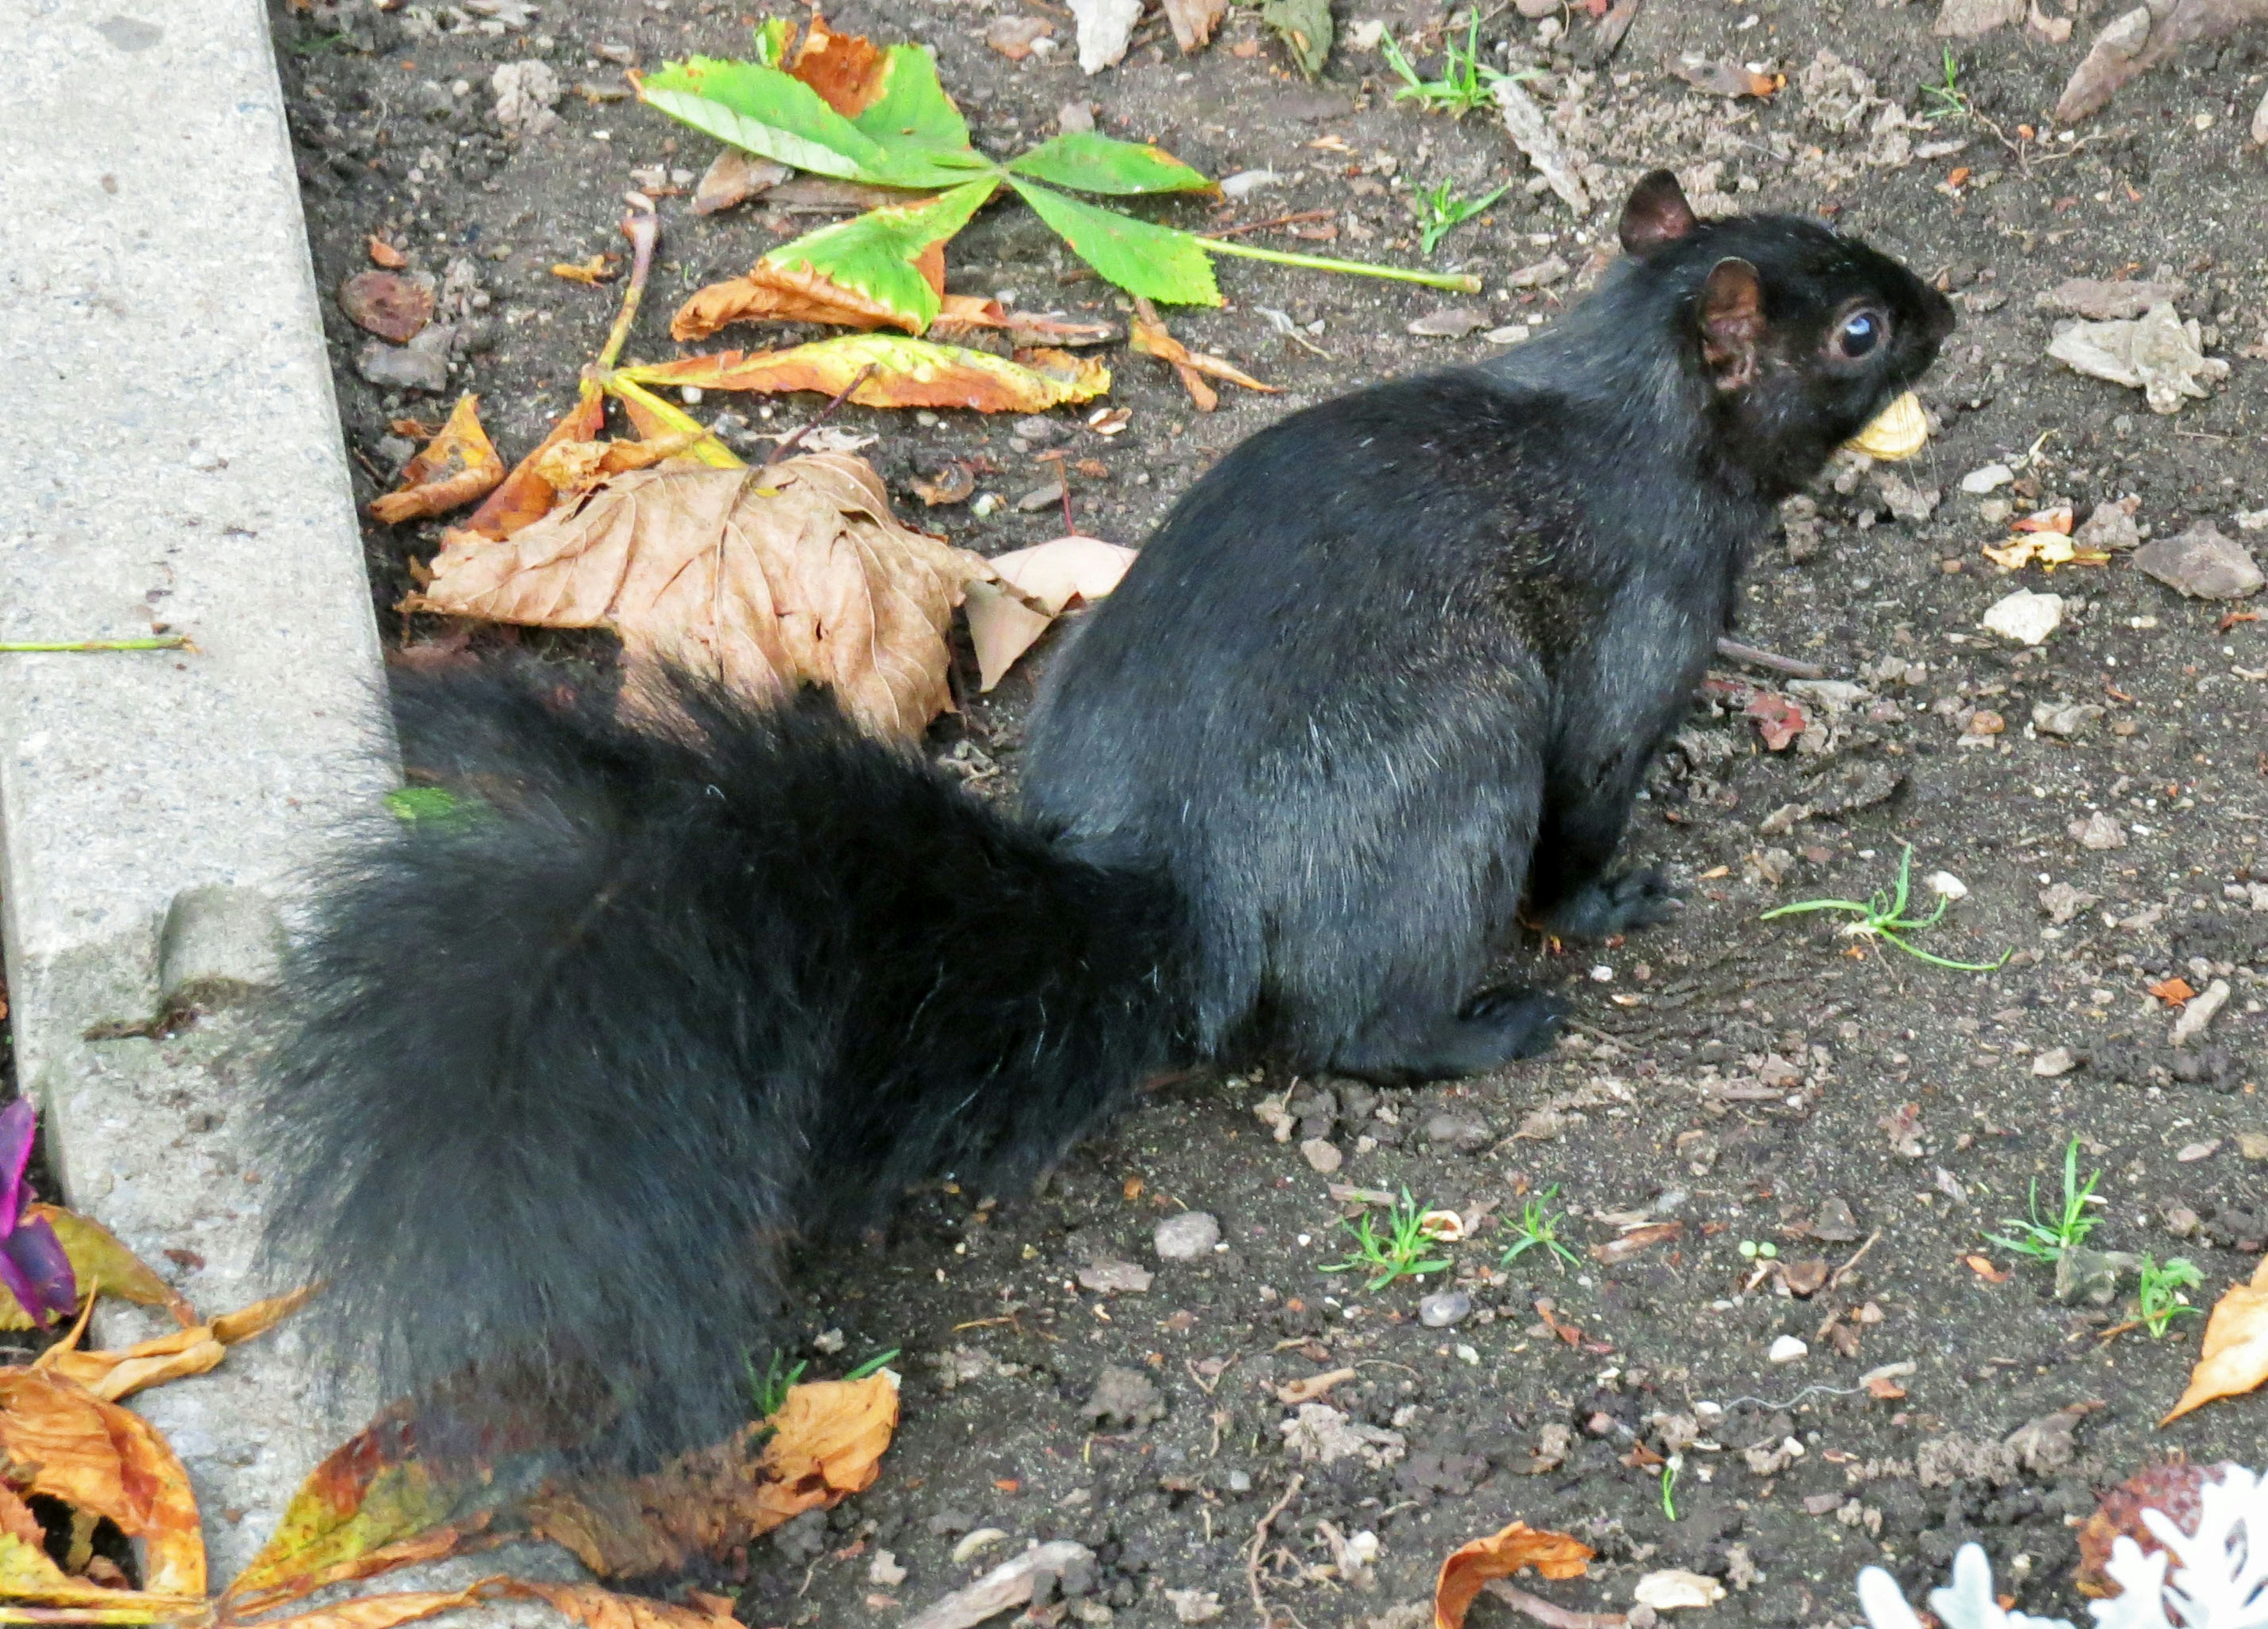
(1884, 916)
(1466, 82)
(768, 1391)
(1670, 1470)
(1753, 1249)
(2046, 1239)
(1399, 1254)
(873, 1365)
(1946, 98)
(1440, 212)
(2158, 1298)
(1538, 1229)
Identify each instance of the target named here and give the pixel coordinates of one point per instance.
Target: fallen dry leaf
(1147, 334)
(1636, 1241)
(1013, 37)
(59, 1440)
(598, 268)
(1194, 20)
(392, 306)
(1501, 1555)
(2175, 1489)
(905, 374)
(385, 255)
(98, 1261)
(2172, 991)
(734, 176)
(762, 579)
(2138, 39)
(954, 484)
(826, 1444)
(1725, 79)
(570, 468)
(525, 496)
(408, 1606)
(1044, 578)
(848, 70)
(1009, 1584)
(1983, 1267)
(960, 315)
(456, 466)
(2235, 1357)
(1313, 1386)
(112, 1376)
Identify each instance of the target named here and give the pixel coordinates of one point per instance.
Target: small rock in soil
(1457, 1132)
(2055, 1062)
(2111, 529)
(1787, 1349)
(802, 1538)
(2098, 831)
(2198, 1011)
(949, 1521)
(393, 367)
(1448, 1307)
(1323, 1154)
(2082, 1275)
(526, 93)
(2068, 719)
(1451, 323)
(1125, 1395)
(2253, 1144)
(883, 1572)
(1104, 28)
(1543, 275)
(2202, 564)
(2061, 902)
(1194, 1606)
(2102, 301)
(1186, 1237)
(1674, 1588)
(1835, 1223)
(1986, 479)
(1114, 1278)
(1321, 1434)
(2027, 617)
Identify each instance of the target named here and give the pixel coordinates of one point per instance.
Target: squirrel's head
(1803, 336)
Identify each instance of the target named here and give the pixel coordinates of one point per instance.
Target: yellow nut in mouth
(1899, 431)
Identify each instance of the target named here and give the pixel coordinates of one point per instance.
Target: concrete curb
(175, 461)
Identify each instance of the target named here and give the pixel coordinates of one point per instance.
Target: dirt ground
(1868, 1117)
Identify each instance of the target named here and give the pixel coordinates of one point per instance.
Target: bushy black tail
(572, 1061)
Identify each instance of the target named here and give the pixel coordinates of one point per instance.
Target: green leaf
(1305, 28)
(772, 35)
(1159, 261)
(913, 110)
(874, 254)
(1085, 162)
(768, 113)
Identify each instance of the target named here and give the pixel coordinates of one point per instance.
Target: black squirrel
(567, 1068)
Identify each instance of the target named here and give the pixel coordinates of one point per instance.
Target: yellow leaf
(762, 579)
(905, 372)
(231, 1328)
(2234, 1359)
(385, 1611)
(1500, 1555)
(61, 1440)
(603, 1608)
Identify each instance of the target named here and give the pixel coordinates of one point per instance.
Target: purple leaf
(37, 1272)
(18, 1121)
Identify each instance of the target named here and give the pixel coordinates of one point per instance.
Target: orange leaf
(598, 269)
(1147, 334)
(61, 1440)
(960, 315)
(603, 1608)
(1983, 1267)
(385, 1611)
(846, 70)
(525, 496)
(764, 578)
(384, 254)
(906, 372)
(111, 1375)
(773, 293)
(2057, 520)
(456, 466)
(1500, 1555)
(260, 1317)
(2172, 991)
(2234, 1359)
(827, 1444)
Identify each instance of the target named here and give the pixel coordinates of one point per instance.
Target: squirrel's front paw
(1639, 897)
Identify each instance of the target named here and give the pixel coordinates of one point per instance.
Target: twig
(1544, 1613)
(643, 228)
(788, 443)
(163, 642)
(1280, 220)
(1843, 1271)
(1772, 661)
(1259, 1539)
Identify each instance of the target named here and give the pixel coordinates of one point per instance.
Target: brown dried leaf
(603, 1608)
(385, 1612)
(1147, 334)
(60, 1440)
(734, 176)
(458, 466)
(385, 255)
(764, 578)
(1194, 21)
(1501, 1555)
(1040, 581)
(231, 1327)
(525, 496)
(2235, 1357)
(827, 1444)
(846, 70)
(1725, 79)
(2138, 39)
(598, 269)
(773, 293)
(393, 307)
(1635, 1241)
(960, 315)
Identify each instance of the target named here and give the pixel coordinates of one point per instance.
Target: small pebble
(1985, 480)
(1448, 1307)
(1787, 1349)
(974, 1544)
(1323, 1154)
(1186, 1237)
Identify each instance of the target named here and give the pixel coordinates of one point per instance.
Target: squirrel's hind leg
(1405, 1045)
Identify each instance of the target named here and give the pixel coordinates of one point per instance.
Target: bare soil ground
(1757, 1083)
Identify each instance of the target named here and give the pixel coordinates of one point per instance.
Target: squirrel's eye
(1861, 333)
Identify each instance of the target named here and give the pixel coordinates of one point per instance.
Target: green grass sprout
(1946, 98)
(768, 1391)
(1440, 212)
(1398, 1254)
(1883, 916)
(2046, 1239)
(1465, 83)
(2158, 1298)
(1538, 1229)
(873, 1365)
(1670, 1468)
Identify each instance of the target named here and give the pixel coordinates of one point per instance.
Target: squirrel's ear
(1656, 214)
(1732, 312)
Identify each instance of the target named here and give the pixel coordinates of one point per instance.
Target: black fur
(570, 1067)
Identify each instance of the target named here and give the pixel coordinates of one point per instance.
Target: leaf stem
(707, 449)
(1458, 282)
(166, 641)
(643, 228)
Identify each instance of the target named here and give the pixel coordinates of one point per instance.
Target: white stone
(1787, 1349)
(1186, 1237)
(1988, 478)
(1673, 1590)
(2027, 617)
